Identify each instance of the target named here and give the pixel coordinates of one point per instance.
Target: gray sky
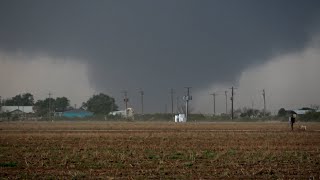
(86, 47)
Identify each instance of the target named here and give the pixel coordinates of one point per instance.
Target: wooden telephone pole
(214, 103)
(232, 99)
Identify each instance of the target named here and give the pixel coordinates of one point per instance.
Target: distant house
(18, 112)
(17, 109)
(58, 113)
(301, 111)
(123, 113)
(76, 113)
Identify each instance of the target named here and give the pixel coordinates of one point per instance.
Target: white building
(129, 113)
(22, 109)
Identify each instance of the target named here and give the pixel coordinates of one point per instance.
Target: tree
(61, 103)
(249, 112)
(282, 112)
(41, 107)
(100, 104)
(25, 99)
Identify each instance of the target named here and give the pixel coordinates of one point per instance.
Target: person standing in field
(292, 120)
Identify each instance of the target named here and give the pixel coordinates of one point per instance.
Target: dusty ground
(99, 150)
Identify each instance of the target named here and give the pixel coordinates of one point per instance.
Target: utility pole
(49, 106)
(126, 100)
(264, 102)
(214, 103)
(232, 99)
(171, 93)
(252, 103)
(226, 93)
(112, 105)
(177, 110)
(187, 98)
(141, 93)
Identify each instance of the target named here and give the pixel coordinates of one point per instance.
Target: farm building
(18, 112)
(17, 109)
(303, 111)
(76, 113)
(123, 113)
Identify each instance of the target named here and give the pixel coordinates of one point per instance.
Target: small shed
(77, 113)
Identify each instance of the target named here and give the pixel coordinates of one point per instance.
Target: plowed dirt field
(137, 150)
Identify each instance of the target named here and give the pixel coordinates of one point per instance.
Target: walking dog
(303, 127)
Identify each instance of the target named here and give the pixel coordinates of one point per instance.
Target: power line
(232, 99)
(214, 103)
(49, 106)
(226, 94)
(178, 103)
(112, 104)
(252, 103)
(187, 98)
(264, 102)
(142, 94)
(171, 93)
(126, 100)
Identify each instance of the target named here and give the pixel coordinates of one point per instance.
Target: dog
(303, 127)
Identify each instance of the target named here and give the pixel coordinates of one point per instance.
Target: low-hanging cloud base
(41, 74)
(291, 81)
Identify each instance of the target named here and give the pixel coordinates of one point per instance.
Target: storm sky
(77, 48)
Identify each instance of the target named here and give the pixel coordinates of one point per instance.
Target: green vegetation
(282, 112)
(58, 104)
(310, 116)
(20, 100)
(100, 104)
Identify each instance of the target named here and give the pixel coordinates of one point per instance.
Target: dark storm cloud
(156, 45)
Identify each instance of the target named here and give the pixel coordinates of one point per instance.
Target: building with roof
(302, 111)
(76, 113)
(17, 112)
(20, 109)
(123, 113)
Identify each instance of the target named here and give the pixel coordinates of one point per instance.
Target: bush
(311, 116)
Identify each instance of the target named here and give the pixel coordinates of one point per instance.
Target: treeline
(60, 104)
(19, 100)
(311, 115)
(41, 107)
(100, 104)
